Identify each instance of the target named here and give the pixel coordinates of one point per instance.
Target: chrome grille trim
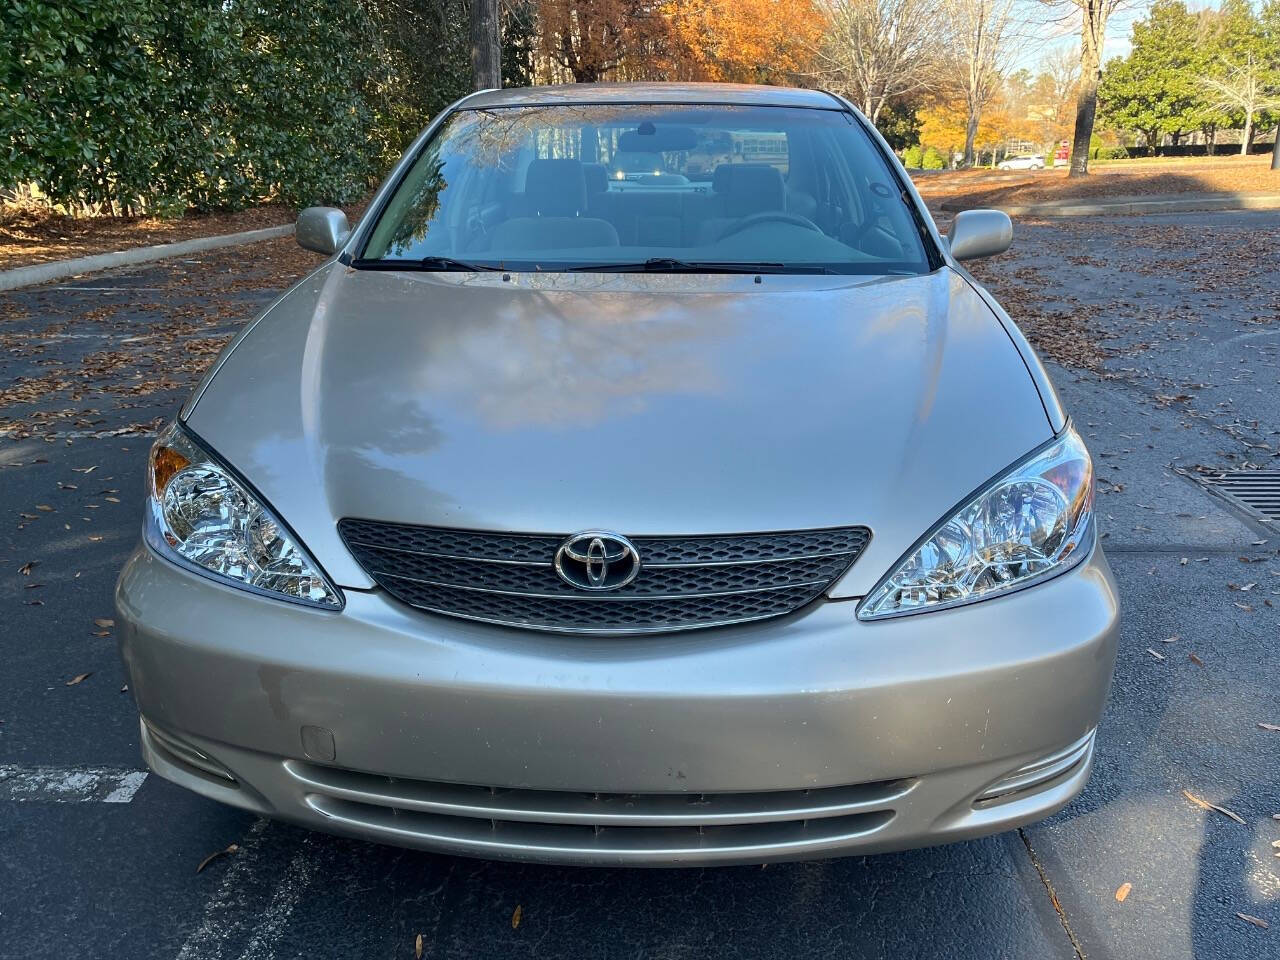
(596, 809)
(1039, 772)
(685, 582)
(523, 822)
(602, 598)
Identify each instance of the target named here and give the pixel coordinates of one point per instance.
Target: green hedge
(157, 105)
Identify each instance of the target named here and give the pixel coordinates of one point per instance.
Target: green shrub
(912, 156)
(153, 105)
(933, 160)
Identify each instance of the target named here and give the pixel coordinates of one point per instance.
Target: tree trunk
(486, 45)
(1211, 139)
(1086, 109)
(1093, 31)
(970, 134)
(1275, 152)
(1248, 133)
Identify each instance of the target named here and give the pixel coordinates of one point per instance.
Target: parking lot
(1163, 337)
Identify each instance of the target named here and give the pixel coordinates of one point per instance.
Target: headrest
(596, 176)
(753, 188)
(556, 188)
(720, 179)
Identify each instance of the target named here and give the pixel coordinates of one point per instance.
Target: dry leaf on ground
(1256, 921)
(516, 915)
(1206, 805)
(216, 854)
(1123, 892)
(79, 678)
(417, 947)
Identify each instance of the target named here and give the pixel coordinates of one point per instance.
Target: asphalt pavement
(1181, 376)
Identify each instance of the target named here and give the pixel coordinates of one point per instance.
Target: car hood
(644, 404)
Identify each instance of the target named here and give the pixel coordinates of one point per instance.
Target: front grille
(496, 821)
(684, 582)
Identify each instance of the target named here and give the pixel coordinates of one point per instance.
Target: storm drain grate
(1257, 491)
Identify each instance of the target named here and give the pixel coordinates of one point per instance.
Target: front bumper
(813, 735)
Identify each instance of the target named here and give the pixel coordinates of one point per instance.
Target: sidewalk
(38, 273)
(1179, 203)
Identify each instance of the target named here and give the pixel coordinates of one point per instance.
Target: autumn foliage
(744, 41)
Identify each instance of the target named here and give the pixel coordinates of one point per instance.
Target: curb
(1233, 201)
(38, 273)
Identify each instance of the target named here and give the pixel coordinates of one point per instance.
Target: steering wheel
(755, 219)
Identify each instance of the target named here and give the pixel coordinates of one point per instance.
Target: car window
(581, 187)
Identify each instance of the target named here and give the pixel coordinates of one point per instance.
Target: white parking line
(68, 784)
(242, 919)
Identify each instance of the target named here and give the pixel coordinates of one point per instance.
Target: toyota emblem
(597, 560)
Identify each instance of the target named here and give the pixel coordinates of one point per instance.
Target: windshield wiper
(671, 265)
(432, 264)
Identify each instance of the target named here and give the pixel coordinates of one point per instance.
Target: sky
(1046, 37)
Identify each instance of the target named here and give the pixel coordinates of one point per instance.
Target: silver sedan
(717, 516)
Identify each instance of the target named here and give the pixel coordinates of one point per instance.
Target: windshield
(635, 186)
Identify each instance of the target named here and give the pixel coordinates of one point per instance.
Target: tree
(1248, 88)
(1245, 77)
(741, 41)
(1094, 15)
(874, 51)
(981, 35)
(486, 45)
(1051, 102)
(1156, 88)
(592, 39)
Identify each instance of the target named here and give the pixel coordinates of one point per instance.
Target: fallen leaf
(25, 569)
(1256, 921)
(79, 678)
(95, 537)
(516, 915)
(1194, 659)
(217, 853)
(102, 633)
(103, 622)
(1174, 639)
(1245, 607)
(1274, 727)
(1154, 653)
(1123, 892)
(417, 947)
(45, 507)
(1206, 805)
(85, 469)
(112, 499)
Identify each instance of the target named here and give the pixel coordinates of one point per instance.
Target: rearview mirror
(322, 229)
(979, 233)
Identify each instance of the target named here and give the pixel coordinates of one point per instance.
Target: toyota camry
(643, 480)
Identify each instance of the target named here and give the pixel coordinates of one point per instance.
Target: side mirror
(322, 229)
(979, 233)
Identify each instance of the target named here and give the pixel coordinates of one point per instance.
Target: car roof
(718, 93)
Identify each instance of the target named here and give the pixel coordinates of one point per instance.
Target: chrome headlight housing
(1032, 522)
(205, 517)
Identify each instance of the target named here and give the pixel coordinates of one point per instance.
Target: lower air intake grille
(683, 583)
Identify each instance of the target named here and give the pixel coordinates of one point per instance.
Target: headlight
(202, 514)
(1033, 522)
